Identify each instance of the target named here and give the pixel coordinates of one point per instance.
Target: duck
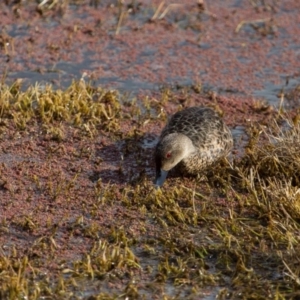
(193, 139)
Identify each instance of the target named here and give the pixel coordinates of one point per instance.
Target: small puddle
(240, 140)
(11, 159)
(272, 92)
(149, 142)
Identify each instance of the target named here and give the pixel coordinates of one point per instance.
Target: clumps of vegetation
(104, 258)
(80, 105)
(269, 174)
(277, 156)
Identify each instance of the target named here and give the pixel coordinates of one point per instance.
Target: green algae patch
(81, 219)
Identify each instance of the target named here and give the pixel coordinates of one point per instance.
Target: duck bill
(160, 178)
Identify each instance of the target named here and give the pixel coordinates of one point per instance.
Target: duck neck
(186, 144)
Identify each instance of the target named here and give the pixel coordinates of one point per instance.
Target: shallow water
(181, 54)
(272, 92)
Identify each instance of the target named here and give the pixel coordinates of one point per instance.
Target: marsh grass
(79, 105)
(233, 233)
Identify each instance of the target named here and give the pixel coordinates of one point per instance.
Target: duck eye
(168, 155)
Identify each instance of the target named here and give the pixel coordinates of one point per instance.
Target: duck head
(170, 151)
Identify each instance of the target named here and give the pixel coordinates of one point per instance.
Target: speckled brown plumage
(193, 139)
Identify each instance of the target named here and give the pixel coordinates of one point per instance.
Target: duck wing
(201, 124)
